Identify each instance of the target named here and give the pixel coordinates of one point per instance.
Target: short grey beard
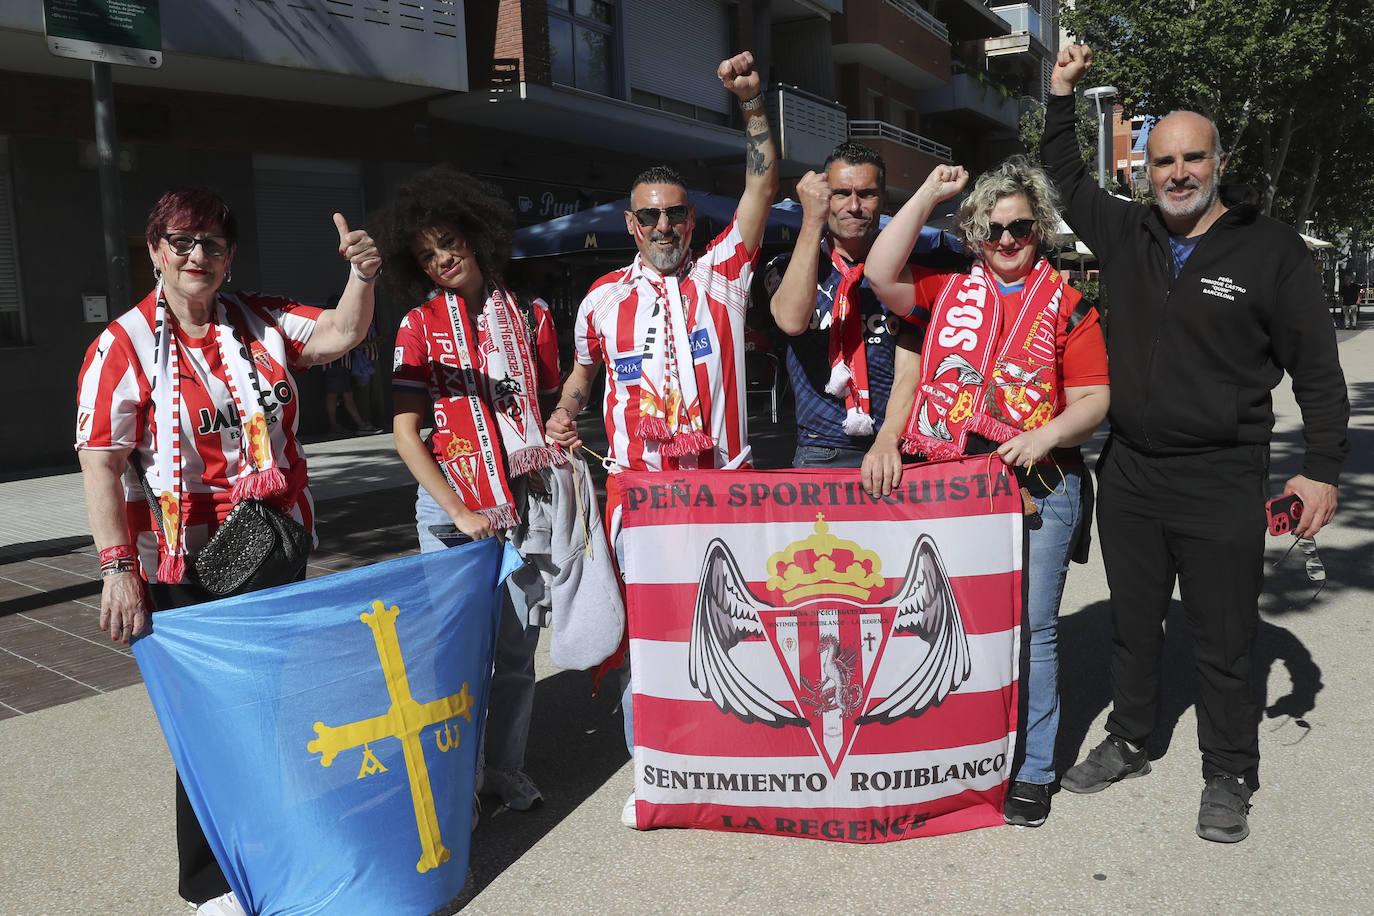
(665, 263)
(1200, 205)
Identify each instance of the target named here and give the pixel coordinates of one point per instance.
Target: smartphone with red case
(1283, 513)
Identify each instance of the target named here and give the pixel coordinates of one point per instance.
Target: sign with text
(127, 32)
(809, 661)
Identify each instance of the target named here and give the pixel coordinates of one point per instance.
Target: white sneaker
(516, 790)
(223, 905)
(628, 815)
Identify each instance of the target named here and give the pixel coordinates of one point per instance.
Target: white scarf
(258, 477)
(669, 404)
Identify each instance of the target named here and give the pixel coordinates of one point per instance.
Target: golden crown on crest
(824, 565)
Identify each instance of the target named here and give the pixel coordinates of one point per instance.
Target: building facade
(296, 111)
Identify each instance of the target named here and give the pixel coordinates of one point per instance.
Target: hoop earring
(229, 276)
(157, 273)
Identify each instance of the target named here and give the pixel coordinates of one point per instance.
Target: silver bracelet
(755, 102)
(359, 274)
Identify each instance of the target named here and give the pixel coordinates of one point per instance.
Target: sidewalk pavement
(86, 810)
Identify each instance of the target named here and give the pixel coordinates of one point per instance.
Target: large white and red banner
(809, 661)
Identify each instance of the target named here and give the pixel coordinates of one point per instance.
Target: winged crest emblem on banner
(836, 619)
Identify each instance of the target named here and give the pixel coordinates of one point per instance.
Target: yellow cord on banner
(606, 463)
(1031, 467)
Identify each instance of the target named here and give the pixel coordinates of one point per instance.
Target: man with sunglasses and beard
(670, 329)
(1209, 303)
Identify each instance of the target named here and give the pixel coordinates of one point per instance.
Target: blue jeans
(827, 456)
(1050, 547)
(512, 682)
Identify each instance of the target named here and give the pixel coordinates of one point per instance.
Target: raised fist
(945, 181)
(1073, 61)
(737, 74)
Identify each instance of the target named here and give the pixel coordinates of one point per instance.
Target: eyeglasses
(214, 246)
(1019, 229)
(648, 216)
(1312, 565)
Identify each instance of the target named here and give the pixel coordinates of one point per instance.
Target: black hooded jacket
(1193, 359)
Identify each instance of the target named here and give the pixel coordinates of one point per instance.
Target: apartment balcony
(969, 20)
(896, 38)
(966, 99)
(567, 114)
(1025, 36)
(355, 52)
(909, 157)
(808, 127)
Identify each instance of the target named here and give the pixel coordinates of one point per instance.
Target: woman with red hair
(188, 397)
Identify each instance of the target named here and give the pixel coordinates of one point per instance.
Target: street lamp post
(1099, 95)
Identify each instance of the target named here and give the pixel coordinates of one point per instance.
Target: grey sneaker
(1225, 803)
(516, 790)
(1109, 762)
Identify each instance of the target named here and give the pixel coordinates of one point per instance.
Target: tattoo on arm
(577, 395)
(758, 133)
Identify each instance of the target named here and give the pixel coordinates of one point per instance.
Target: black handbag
(257, 546)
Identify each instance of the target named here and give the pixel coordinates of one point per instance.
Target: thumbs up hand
(358, 247)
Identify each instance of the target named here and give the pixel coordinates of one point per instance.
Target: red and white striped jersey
(115, 409)
(612, 323)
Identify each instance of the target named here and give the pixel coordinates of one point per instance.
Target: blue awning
(603, 228)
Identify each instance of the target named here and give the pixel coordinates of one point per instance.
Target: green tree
(1287, 81)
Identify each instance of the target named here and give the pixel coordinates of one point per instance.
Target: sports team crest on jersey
(807, 660)
(260, 354)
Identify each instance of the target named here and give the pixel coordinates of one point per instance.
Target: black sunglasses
(212, 245)
(648, 216)
(1019, 229)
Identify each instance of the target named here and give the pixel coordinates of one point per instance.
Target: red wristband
(118, 552)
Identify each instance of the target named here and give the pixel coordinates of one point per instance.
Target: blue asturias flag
(327, 731)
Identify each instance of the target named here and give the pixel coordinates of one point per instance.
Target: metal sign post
(125, 32)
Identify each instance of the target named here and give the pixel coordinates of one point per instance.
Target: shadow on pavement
(1085, 648)
(576, 744)
(31, 550)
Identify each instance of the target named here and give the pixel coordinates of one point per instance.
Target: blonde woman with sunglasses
(1013, 364)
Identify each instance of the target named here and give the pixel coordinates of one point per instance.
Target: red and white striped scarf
(258, 477)
(967, 385)
(669, 403)
(848, 355)
(472, 407)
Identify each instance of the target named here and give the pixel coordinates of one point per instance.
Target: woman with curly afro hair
(482, 362)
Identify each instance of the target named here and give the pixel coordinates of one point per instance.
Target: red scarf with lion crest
(969, 385)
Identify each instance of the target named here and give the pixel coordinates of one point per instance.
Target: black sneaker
(1027, 804)
(1109, 762)
(1225, 803)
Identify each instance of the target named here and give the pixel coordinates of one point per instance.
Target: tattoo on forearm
(756, 159)
(577, 395)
